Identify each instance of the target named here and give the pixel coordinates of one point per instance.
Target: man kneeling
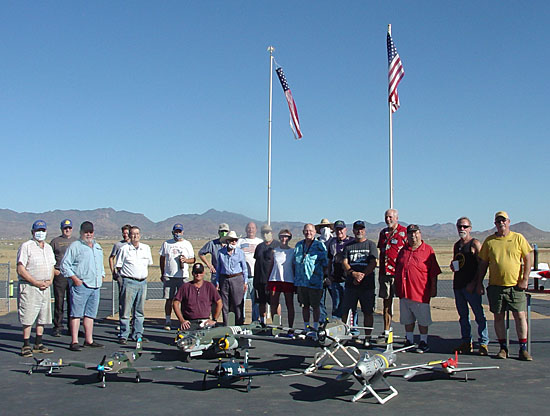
(195, 299)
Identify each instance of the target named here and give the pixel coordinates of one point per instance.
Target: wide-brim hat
(324, 223)
(231, 235)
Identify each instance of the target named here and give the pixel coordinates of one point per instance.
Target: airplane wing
(458, 370)
(143, 369)
(260, 373)
(426, 366)
(194, 370)
(86, 366)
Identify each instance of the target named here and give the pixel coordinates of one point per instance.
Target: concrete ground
(517, 387)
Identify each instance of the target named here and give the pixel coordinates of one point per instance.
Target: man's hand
(522, 284)
(56, 272)
(163, 279)
(357, 277)
(76, 281)
(210, 322)
(185, 325)
(212, 268)
(245, 287)
(43, 284)
(480, 289)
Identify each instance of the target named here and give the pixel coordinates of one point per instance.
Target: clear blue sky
(162, 108)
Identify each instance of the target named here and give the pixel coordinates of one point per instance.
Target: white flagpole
(270, 49)
(391, 144)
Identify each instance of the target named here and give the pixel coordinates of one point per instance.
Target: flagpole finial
(270, 49)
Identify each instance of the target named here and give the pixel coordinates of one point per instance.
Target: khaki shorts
(411, 312)
(34, 305)
(387, 289)
(171, 286)
(308, 296)
(501, 297)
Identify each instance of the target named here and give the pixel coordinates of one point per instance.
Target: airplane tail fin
(231, 319)
(389, 348)
(138, 345)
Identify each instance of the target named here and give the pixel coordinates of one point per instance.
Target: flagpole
(270, 49)
(391, 143)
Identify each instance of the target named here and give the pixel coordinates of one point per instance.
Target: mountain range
(107, 223)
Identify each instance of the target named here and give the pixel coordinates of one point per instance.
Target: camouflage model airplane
(46, 364)
(201, 339)
(231, 371)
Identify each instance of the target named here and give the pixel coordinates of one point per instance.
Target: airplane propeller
(101, 371)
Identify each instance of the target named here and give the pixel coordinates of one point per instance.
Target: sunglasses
(500, 220)
(461, 226)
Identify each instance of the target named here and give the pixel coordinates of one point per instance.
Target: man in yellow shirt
(508, 256)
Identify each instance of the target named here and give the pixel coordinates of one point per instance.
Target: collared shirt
(390, 243)
(134, 262)
(309, 263)
(84, 262)
(416, 273)
(231, 263)
(37, 261)
(212, 247)
(196, 303)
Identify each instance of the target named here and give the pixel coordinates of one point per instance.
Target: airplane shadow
(332, 389)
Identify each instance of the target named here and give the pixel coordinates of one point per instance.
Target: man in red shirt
(390, 242)
(194, 300)
(415, 284)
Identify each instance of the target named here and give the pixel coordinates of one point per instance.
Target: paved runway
(517, 387)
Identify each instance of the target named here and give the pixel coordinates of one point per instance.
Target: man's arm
(527, 265)
(162, 259)
(480, 275)
(176, 306)
(219, 305)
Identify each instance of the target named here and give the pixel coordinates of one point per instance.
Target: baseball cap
(266, 228)
(503, 214)
(198, 268)
(87, 227)
(223, 227)
(412, 228)
(359, 224)
(39, 225)
(66, 223)
(339, 224)
(177, 227)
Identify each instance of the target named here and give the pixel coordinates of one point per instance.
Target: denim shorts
(84, 301)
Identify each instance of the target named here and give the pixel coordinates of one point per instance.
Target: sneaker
(26, 351)
(41, 348)
(422, 348)
(122, 341)
(524, 355)
(381, 339)
(167, 327)
(75, 347)
(483, 350)
(408, 344)
(502, 354)
(56, 332)
(93, 344)
(464, 348)
(367, 343)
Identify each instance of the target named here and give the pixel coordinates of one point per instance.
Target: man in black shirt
(262, 269)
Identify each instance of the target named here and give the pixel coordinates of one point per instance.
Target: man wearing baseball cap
(60, 284)
(35, 265)
(176, 255)
(508, 257)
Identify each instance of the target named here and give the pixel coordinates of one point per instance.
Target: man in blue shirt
(231, 277)
(83, 266)
(310, 260)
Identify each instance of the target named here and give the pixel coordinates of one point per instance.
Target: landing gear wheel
(138, 378)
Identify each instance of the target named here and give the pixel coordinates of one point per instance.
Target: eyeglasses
(463, 226)
(500, 220)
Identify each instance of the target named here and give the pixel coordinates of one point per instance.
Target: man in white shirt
(132, 266)
(175, 256)
(248, 245)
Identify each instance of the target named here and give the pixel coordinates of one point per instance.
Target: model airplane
(46, 364)
(373, 369)
(121, 362)
(231, 371)
(449, 366)
(227, 339)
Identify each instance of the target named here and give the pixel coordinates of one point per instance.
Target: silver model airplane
(45, 364)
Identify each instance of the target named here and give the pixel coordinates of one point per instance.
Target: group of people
(325, 261)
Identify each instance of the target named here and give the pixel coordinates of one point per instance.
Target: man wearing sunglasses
(508, 256)
(464, 265)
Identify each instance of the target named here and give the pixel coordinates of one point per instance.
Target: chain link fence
(7, 288)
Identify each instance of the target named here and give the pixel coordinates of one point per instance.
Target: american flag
(291, 104)
(395, 73)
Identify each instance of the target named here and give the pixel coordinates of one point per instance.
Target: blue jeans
(462, 299)
(336, 291)
(132, 302)
(323, 308)
(249, 294)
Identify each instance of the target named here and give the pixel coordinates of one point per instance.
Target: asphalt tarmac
(516, 388)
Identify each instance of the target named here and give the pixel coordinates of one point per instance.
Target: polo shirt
(416, 271)
(134, 262)
(196, 303)
(38, 261)
(84, 262)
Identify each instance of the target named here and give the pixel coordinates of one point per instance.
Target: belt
(132, 278)
(228, 276)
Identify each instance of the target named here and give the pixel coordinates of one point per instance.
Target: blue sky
(162, 108)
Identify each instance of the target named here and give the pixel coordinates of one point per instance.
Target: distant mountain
(107, 222)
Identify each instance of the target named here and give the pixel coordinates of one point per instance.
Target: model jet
(121, 362)
(231, 371)
(449, 366)
(227, 339)
(373, 369)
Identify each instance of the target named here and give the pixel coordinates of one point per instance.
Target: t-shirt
(416, 271)
(264, 262)
(59, 246)
(335, 250)
(248, 245)
(359, 255)
(390, 243)
(116, 247)
(196, 303)
(505, 255)
(282, 265)
(37, 261)
(171, 250)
